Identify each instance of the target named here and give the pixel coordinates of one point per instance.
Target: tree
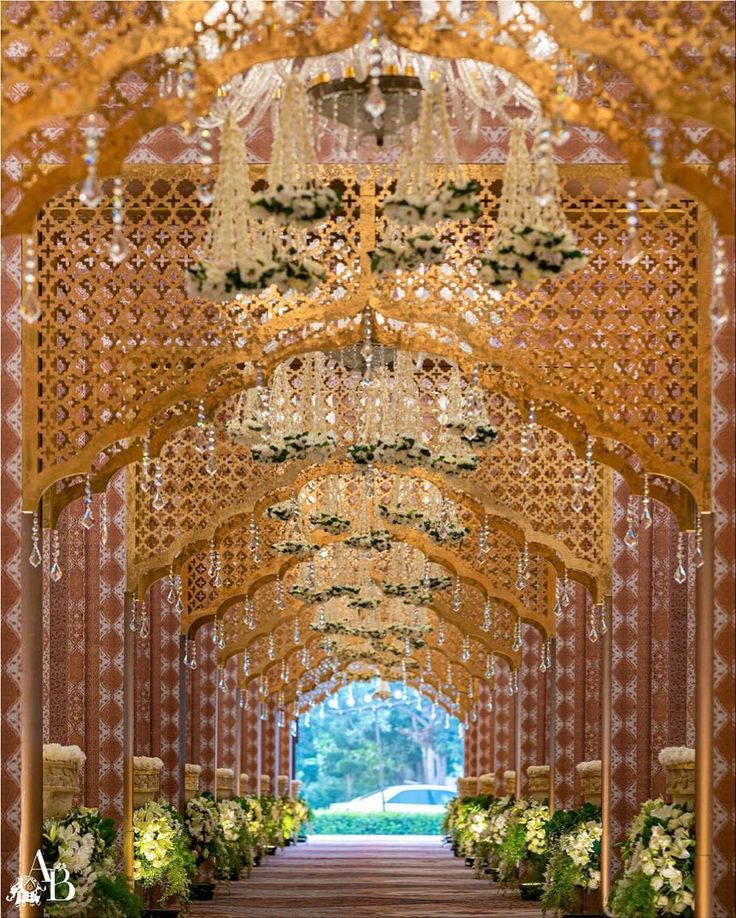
(337, 752)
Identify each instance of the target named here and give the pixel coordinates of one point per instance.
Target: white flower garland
(300, 206)
(452, 200)
(530, 254)
(408, 253)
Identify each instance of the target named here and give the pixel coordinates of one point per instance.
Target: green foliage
(113, 898)
(560, 892)
(339, 756)
(511, 850)
(634, 897)
(376, 823)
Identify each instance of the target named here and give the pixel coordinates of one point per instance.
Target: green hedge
(326, 823)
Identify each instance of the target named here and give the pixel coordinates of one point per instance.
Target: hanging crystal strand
(543, 659)
(186, 88)
(589, 477)
(297, 632)
(483, 541)
(254, 539)
(427, 660)
(490, 666)
(457, 595)
(375, 103)
(660, 194)
(245, 663)
(577, 489)
(221, 635)
(487, 621)
(593, 633)
(449, 675)
(143, 626)
(631, 539)
(201, 425)
(35, 558)
(87, 520)
(55, 572)
(604, 624)
(280, 601)
(192, 654)
(465, 652)
(567, 589)
(558, 598)
(407, 646)
(560, 131)
(698, 559)
(441, 632)
(118, 248)
(522, 569)
(271, 646)
(171, 584)
(646, 505)
(179, 607)
(186, 661)
(145, 477)
(514, 682)
(681, 570)
(90, 194)
(516, 646)
(206, 191)
(134, 616)
(720, 271)
(158, 502)
(632, 251)
(222, 683)
(210, 465)
(104, 519)
(30, 310)
(523, 467)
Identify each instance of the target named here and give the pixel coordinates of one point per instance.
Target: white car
(401, 798)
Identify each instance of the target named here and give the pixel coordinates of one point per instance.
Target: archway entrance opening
(379, 758)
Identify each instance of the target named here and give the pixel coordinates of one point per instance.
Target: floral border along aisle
(658, 872)
(84, 843)
(161, 851)
(574, 843)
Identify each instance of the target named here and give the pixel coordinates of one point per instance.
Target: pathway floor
(365, 877)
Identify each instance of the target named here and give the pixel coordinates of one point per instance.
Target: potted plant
(84, 842)
(522, 853)
(658, 864)
(573, 866)
(206, 842)
(236, 854)
(163, 863)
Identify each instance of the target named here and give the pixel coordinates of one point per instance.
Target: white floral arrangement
(296, 547)
(534, 817)
(529, 255)
(309, 444)
(330, 523)
(676, 755)
(285, 268)
(377, 539)
(55, 752)
(413, 594)
(201, 820)
(408, 253)
(296, 206)
(232, 819)
(592, 767)
(453, 454)
(284, 510)
(452, 200)
(161, 854)
(397, 515)
(445, 531)
(659, 851)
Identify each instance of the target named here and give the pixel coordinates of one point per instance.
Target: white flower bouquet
(409, 253)
(202, 823)
(397, 515)
(331, 523)
(296, 206)
(296, 547)
(161, 854)
(377, 539)
(529, 254)
(309, 444)
(658, 872)
(452, 200)
(574, 840)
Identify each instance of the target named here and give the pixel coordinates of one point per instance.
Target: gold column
(182, 721)
(128, 733)
(552, 724)
(276, 751)
(238, 742)
(259, 750)
(31, 707)
(606, 700)
(217, 732)
(517, 737)
(704, 724)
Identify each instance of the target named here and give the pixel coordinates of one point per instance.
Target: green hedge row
(326, 823)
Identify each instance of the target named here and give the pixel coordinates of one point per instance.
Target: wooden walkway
(364, 877)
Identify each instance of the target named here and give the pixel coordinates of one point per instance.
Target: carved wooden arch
(298, 671)
(462, 492)
(269, 570)
(628, 54)
(298, 609)
(411, 338)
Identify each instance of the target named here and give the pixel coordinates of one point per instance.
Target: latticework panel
(623, 348)
(641, 62)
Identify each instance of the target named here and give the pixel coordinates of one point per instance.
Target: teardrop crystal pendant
(30, 310)
(631, 539)
(375, 103)
(90, 194)
(632, 251)
(118, 249)
(55, 572)
(35, 558)
(680, 574)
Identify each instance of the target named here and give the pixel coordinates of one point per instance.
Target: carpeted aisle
(364, 877)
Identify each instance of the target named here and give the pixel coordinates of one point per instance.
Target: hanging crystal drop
(698, 558)
(210, 465)
(171, 593)
(118, 248)
(145, 478)
(441, 633)
(55, 572)
(516, 646)
(631, 539)
(143, 628)
(30, 309)
(375, 102)
(604, 623)
(487, 624)
(457, 595)
(87, 521)
(680, 571)
(271, 646)
(193, 654)
(104, 519)
(523, 466)
(90, 194)
(632, 250)
(179, 596)
(297, 633)
(590, 476)
(593, 633)
(566, 590)
(35, 558)
(465, 654)
(646, 506)
(577, 486)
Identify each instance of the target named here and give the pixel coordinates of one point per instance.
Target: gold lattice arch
(466, 493)
(643, 394)
(248, 581)
(298, 610)
(646, 49)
